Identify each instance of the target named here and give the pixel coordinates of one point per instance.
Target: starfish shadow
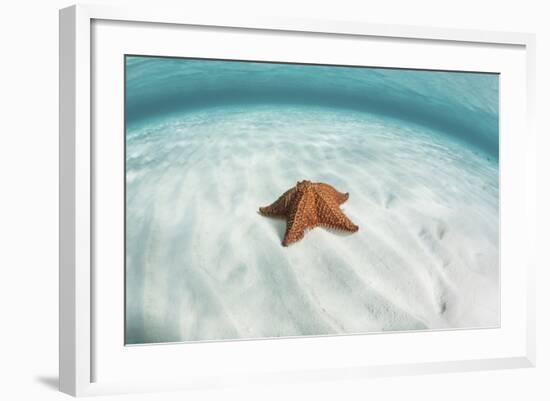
(278, 224)
(340, 233)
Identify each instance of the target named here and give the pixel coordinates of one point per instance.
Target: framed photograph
(276, 200)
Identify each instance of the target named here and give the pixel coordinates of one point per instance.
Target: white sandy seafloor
(202, 264)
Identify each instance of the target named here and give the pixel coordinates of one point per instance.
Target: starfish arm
(280, 207)
(330, 192)
(330, 215)
(301, 217)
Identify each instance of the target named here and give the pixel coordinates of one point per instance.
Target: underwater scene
(273, 199)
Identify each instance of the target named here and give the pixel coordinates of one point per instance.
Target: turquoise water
(464, 105)
(208, 142)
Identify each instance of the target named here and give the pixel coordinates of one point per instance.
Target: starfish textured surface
(308, 205)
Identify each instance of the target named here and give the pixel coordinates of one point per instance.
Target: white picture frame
(81, 342)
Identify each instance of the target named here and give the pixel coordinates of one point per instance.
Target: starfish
(308, 205)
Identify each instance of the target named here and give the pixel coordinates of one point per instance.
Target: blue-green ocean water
(461, 104)
(208, 142)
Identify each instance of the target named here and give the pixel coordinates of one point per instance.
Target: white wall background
(29, 214)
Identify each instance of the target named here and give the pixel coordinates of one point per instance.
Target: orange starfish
(308, 205)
